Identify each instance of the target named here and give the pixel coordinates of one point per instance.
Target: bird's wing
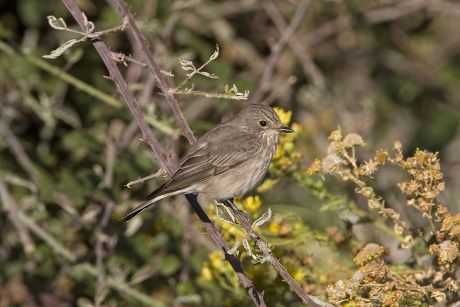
(217, 152)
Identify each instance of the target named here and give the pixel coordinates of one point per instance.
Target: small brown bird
(229, 160)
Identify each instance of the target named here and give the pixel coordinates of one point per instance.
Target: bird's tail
(151, 199)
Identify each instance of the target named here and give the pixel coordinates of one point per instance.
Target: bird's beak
(285, 129)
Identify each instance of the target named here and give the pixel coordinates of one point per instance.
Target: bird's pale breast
(242, 178)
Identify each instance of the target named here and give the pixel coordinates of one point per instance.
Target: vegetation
(360, 205)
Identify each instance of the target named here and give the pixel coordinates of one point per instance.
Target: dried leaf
(221, 211)
(89, 25)
(206, 74)
(167, 73)
(247, 247)
(63, 48)
(234, 249)
(187, 65)
(215, 54)
(263, 219)
(56, 23)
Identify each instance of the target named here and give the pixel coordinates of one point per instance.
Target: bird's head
(261, 119)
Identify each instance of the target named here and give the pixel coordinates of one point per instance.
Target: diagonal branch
(167, 163)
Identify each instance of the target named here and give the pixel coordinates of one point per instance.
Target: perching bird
(227, 161)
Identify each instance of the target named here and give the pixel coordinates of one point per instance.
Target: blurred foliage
(68, 147)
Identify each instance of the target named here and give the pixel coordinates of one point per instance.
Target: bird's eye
(263, 123)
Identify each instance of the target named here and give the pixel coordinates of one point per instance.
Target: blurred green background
(388, 70)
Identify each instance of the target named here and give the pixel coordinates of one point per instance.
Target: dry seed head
(369, 253)
(448, 252)
(353, 139)
(336, 136)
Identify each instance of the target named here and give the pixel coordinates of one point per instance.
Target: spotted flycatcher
(229, 160)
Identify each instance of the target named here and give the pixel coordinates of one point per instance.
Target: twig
(155, 70)
(309, 67)
(276, 50)
(110, 152)
(99, 233)
(13, 213)
(243, 96)
(186, 66)
(165, 161)
(124, 59)
(157, 174)
(18, 181)
(17, 150)
(395, 11)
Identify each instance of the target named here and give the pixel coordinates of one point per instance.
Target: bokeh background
(387, 70)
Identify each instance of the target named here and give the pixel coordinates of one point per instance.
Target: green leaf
(169, 265)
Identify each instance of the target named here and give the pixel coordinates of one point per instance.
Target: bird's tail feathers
(151, 199)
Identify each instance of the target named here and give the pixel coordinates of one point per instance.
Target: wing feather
(211, 156)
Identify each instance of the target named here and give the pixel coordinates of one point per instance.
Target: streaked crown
(258, 117)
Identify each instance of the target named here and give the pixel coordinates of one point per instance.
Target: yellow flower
(274, 228)
(315, 167)
(279, 153)
(217, 260)
(206, 273)
(299, 275)
(288, 146)
(297, 128)
(252, 203)
(285, 116)
(267, 185)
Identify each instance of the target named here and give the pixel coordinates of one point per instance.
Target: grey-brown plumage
(227, 161)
